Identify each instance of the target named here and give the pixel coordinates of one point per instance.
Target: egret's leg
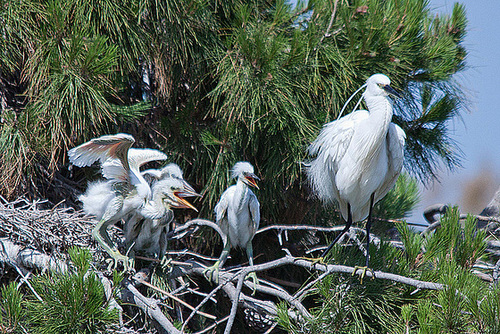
(346, 228)
(100, 234)
(212, 273)
(252, 275)
(368, 226)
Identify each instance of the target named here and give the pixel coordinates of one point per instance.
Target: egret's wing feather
(329, 148)
(395, 142)
(254, 206)
(102, 148)
(96, 198)
(141, 156)
(221, 209)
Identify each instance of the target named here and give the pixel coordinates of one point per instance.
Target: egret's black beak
(391, 90)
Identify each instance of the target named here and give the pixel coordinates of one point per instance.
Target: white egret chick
(359, 157)
(126, 190)
(238, 215)
(147, 229)
(169, 171)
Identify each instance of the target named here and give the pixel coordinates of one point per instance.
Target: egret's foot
(314, 260)
(165, 263)
(116, 257)
(363, 274)
(212, 273)
(255, 281)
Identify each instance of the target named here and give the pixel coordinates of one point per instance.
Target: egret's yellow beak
(251, 179)
(181, 202)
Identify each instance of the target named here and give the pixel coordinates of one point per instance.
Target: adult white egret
(359, 157)
(238, 215)
(126, 190)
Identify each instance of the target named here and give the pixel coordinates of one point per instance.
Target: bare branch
(149, 306)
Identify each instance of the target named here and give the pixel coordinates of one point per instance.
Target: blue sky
(478, 133)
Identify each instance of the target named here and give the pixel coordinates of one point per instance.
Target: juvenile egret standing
(126, 190)
(238, 215)
(359, 157)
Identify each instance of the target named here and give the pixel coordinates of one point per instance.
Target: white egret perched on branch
(359, 157)
(125, 192)
(238, 215)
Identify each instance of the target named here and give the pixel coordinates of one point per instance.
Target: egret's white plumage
(126, 189)
(360, 155)
(169, 171)
(146, 230)
(238, 214)
(238, 210)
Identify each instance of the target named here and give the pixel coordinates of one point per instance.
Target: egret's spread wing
(102, 148)
(395, 142)
(329, 149)
(254, 206)
(141, 156)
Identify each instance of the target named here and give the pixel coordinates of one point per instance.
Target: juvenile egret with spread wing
(126, 190)
(359, 157)
(238, 215)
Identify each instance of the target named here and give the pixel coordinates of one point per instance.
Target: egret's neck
(156, 202)
(380, 109)
(241, 190)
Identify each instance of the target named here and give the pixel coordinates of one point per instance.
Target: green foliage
(463, 244)
(466, 304)
(73, 302)
(228, 81)
(11, 311)
(400, 201)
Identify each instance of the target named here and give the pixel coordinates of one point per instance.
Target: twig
(215, 324)
(207, 298)
(327, 32)
(234, 303)
(169, 295)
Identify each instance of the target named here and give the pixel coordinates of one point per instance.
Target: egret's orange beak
(251, 180)
(181, 202)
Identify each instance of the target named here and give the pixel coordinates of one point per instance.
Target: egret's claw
(212, 273)
(116, 257)
(363, 274)
(314, 260)
(165, 263)
(255, 281)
